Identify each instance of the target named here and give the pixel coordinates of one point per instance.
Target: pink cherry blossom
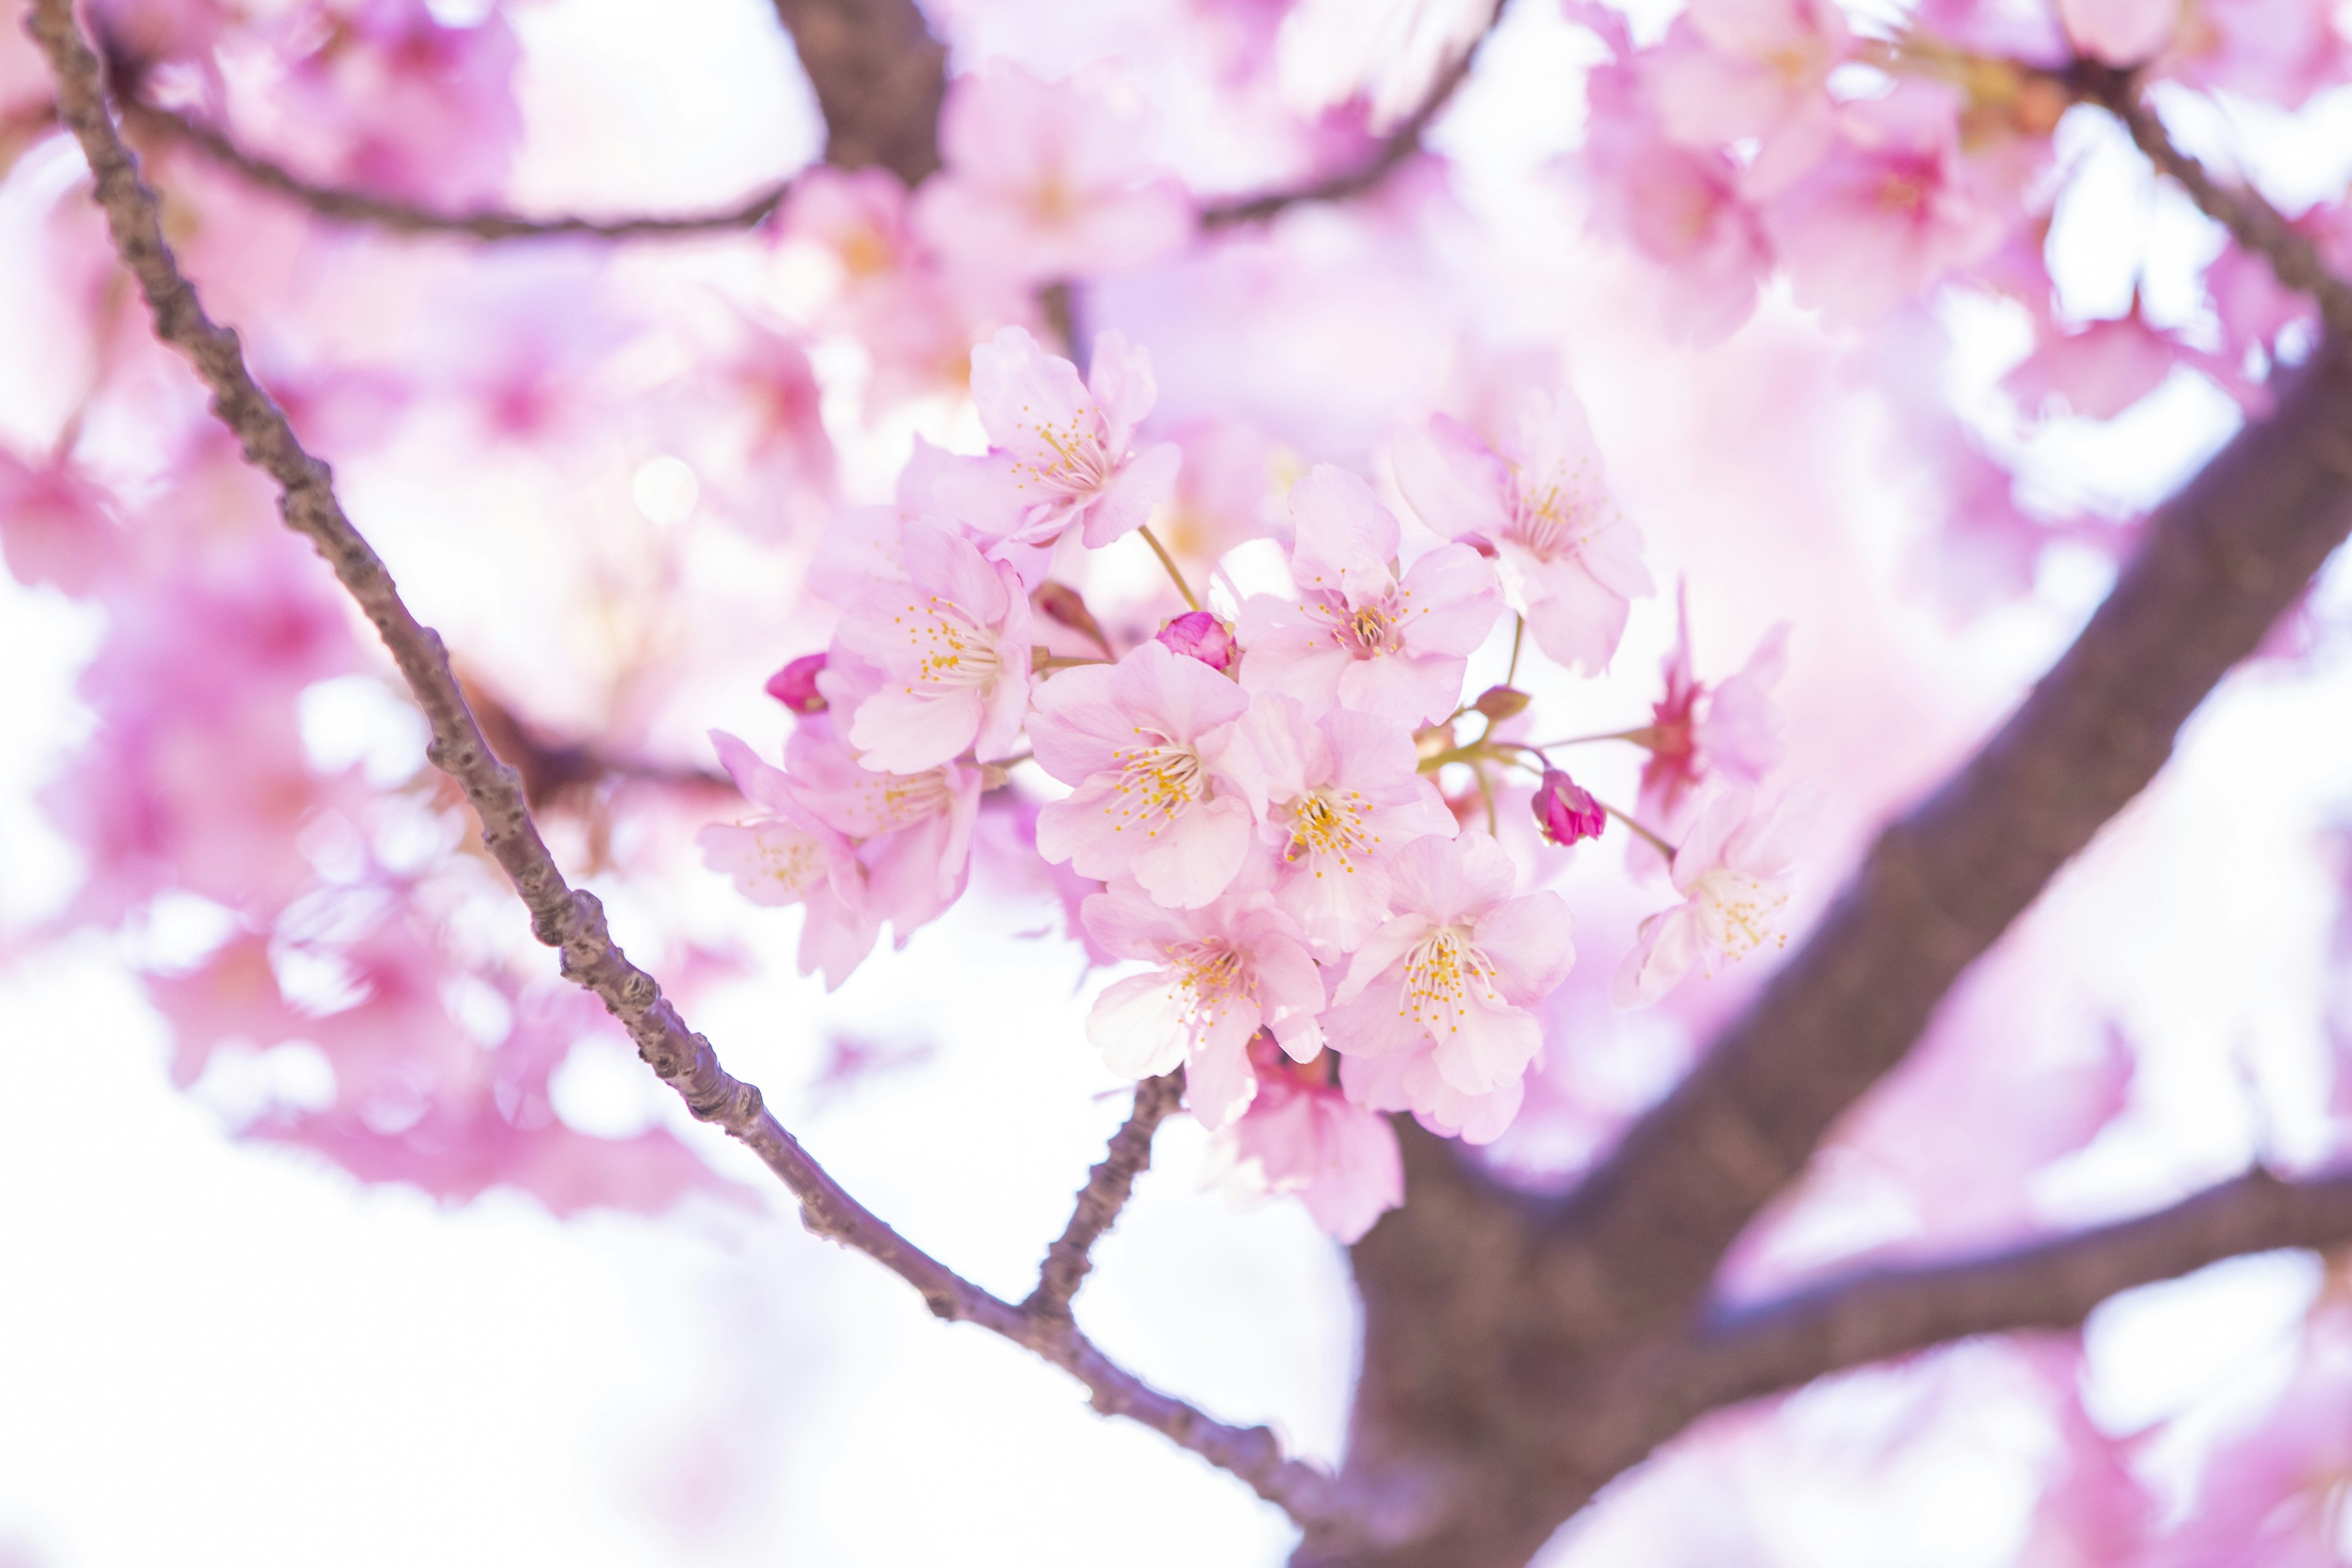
(1731, 729)
(2121, 32)
(1570, 559)
(1730, 69)
(1066, 449)
(1409, 1079)
(1196, 634)
(1048, 180)
(1301, 1136)
(1733, 870)
(1166, 789)
(56, 525)
(1888, 210)
(1356, 635)
(790, 856)
(2277, 51)
(1223, 971)
(1459, 966)
(952, 643)
(911, 832)
(859, 217)
(1344, 794)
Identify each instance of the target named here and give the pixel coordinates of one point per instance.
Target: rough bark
(879, 75)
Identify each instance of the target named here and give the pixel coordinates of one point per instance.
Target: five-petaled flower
(1733, 871)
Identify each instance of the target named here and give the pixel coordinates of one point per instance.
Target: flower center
(884, 802)
(1156, 782)
(1329, 825)
(1743, 912)
(1073, 462)
(948, 649)
(1209, 977)
(1442, 975)
(1549, 522)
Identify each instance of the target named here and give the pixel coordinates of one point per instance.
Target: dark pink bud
(1200, 635)
(1564, 812)
(794, 685)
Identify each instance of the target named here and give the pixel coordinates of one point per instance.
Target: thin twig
(402, 218)
(1104, 1195)
(2241, 209)
(1394, 148)
(568, 919)
(1174, 574)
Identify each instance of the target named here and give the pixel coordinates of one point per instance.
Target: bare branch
(1104, 1195)
(2256, 223)
(562, 917)
(2047, 1284)
(401, 217)
(1396, 147)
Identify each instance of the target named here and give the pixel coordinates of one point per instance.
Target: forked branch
(562, 917)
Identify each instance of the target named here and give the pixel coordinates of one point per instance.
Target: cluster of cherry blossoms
(1248, 803)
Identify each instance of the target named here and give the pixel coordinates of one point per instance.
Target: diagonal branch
(2253, 221)
(568, 919)
(1397, 145)
(2048, 1284)
(346, 205)
(1104, 1195)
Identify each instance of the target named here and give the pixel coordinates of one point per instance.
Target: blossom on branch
(790, 856)
(1302, 1136)
(1733, 870)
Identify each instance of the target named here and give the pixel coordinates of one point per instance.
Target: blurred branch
(2241, 209)
(401, 217)
(879, 76)
(550, 769)
(1104, 1195)
(562, 917)
(2045, 1284)
(1392, 151)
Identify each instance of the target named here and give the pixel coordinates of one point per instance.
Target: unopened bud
(1199, 635)
(1501, 702)
(794, 685)
(1565, 811)
(1060, 604)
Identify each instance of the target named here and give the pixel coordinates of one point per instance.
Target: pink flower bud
(1564, 812)
(1200, 634)
(794, 685)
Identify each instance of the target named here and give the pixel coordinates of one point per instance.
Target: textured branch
(1400, 144)
(879, 76)
(401, 217)
(2050, 1284)
(1104, 1195)
(2256, 224)
(567, 919)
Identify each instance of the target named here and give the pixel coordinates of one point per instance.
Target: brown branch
(2047, 1284)
(2253, 221)
(402, 218)
(1104, 1195)
(562, 917)
(879, 76)
(1397, 145)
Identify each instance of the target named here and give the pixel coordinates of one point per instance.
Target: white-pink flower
(1048, 180)
(1733, 871)
(1066, 453)
(1409, 1079)
(1166, 789)
(952, 643)
(1458, 967)
(1302, 1137)
(1343, 795)
(1224, 971)
(1355, 635)
(1569, 560)
(790, 856)
(912, 832)
(1732, 69)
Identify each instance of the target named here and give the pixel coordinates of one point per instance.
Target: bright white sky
(217, 1353)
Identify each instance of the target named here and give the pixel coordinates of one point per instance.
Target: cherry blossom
(1302, 1136)
(952, 645)
(788, 856)
(1566, 812)
(1733, 870)
(1344, 794)
(2121, 32)
(1165, 791)
(795, 685)
(1048, 180)
(1356, 635)
(1696, 732)
(1066, 450)
(1457, 968)
(1731, 69)
(1224, 971)
(1197, 634)
(1569, 560)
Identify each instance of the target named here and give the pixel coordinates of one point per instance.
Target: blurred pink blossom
(1733, 870)
(1301, 1136)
